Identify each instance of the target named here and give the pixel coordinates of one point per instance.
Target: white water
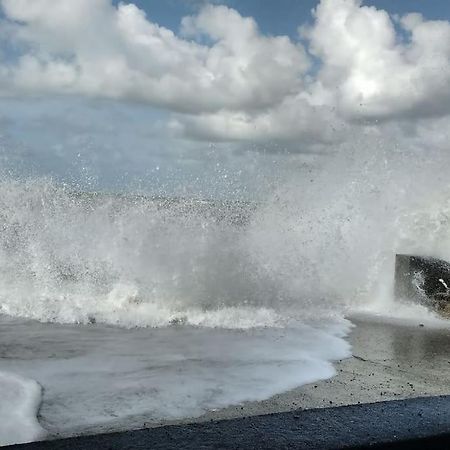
(20, 400)
(216, 329)
(99, 378)
(242, 300)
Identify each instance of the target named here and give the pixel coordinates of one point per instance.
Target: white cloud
(223, 79)
(91, 47)
(371, 70)
(293, 120)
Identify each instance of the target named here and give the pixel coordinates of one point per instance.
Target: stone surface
(425, 280)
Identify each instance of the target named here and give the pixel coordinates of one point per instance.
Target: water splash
(324, 243)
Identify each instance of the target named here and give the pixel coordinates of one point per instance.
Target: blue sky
(218, 107)
(281, 16)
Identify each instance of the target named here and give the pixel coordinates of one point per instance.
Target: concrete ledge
(402, 424)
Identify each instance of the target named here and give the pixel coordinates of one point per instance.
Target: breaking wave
(71, 257)
(323, 244)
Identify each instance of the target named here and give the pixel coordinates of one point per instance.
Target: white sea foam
(78, 258)
(99, 378)
(19, 402)
(216, 328)
(326, 246)
(246, 300)
(401, 313)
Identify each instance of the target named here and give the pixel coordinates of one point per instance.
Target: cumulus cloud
(94, 48)
(223, 79)
(371, 70)
(293, 120)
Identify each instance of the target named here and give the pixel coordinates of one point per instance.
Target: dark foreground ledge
(402, 424)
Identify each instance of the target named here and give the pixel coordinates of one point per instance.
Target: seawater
(104, 378)
(116, 310)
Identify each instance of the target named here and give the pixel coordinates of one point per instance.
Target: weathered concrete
(414, 423)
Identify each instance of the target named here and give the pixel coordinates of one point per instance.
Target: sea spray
(325, 241)
(285, 269)
(71, 257)
(329, 236)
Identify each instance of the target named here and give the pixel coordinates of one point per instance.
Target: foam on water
(287, 270)
(20, 400)
(325, 242)
(99, 378)
(401, 313)
(75, 259)
(166, 266)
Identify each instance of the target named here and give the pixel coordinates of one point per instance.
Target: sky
(193, 97)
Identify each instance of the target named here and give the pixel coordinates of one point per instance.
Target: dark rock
(423, 280)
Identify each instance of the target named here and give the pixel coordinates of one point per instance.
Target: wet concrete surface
(390, 361)
(409, 424)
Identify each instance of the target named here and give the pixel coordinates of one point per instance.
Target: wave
(69, 257)
(323, 244)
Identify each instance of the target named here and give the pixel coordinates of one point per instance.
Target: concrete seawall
(414, 423)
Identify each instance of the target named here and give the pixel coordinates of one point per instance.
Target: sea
(120, 310)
